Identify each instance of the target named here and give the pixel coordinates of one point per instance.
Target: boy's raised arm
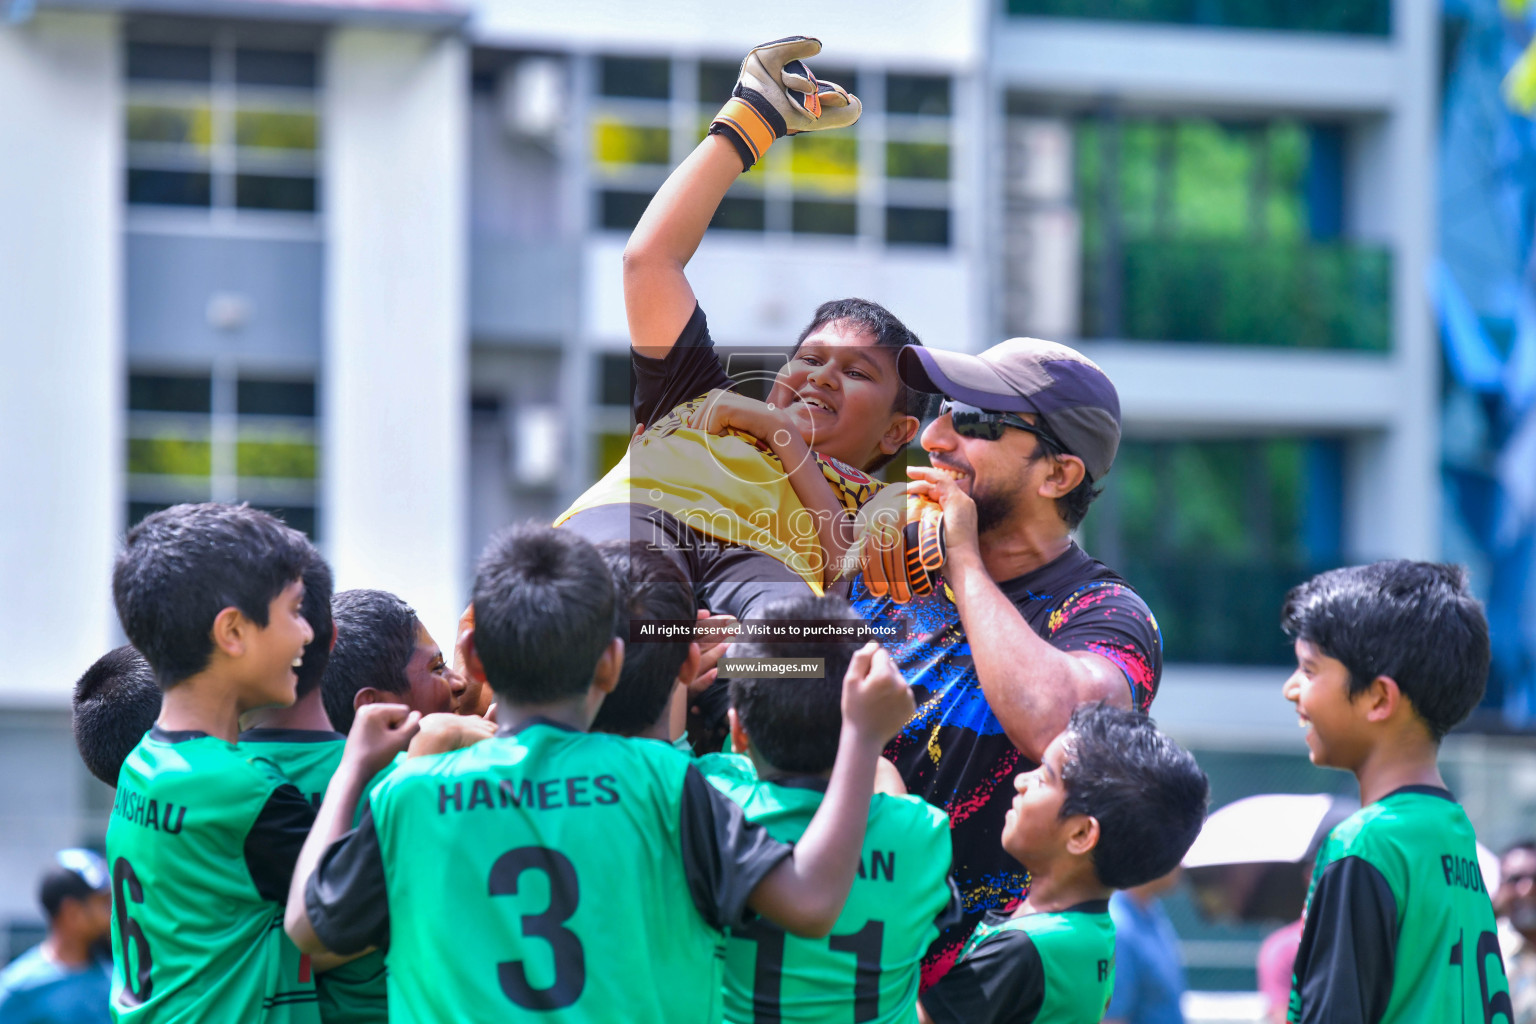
(775, 94)
(379, 732)
(805, 893)
(658, 299)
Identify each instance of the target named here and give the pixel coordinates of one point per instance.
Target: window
(888, 177)
(220, 437)
(221, 126)
(1215, 571)
(1202, 230)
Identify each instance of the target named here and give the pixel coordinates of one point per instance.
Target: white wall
(395, 408)
(922, 32)
(61, 420)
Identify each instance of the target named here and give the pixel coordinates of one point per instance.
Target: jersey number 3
(564, 895)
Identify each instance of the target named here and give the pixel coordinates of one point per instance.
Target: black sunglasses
(985, 425)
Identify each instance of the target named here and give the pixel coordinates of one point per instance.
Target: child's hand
(725, 410)
(379, 732)
(715, 633)
(876, 699)
(443, 732)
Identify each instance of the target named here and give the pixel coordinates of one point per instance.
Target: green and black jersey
(867, 968)
(1052, 968)
(1399, 927)
(202, 844)
(355, 992)
(545, 873)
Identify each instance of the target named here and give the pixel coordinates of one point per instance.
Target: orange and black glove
(776, 95)
(902, 548)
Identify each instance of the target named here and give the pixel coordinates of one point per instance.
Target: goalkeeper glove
(776, 95)
(901, 555)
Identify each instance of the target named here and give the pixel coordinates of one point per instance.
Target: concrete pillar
(395, 406)
(61, 392)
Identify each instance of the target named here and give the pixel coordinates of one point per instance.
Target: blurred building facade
(360, 263)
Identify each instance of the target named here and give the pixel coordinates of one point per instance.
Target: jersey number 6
(126, 887)
(564, 894)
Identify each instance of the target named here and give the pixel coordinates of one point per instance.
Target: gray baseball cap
(1066, 389)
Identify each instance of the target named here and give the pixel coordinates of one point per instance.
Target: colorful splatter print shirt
(954, 752)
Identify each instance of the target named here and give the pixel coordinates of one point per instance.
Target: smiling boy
(1113, 804)
(202, 839)
(751, 499)
(1399, 925)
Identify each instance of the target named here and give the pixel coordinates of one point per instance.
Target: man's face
(998, 475)
(433, 685)
(276, 649)
(1033, 828)
(842, 391)
(86, 918)
(1320, 690)
(1516, 895)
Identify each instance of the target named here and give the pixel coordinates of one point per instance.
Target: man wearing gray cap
(1022, 626)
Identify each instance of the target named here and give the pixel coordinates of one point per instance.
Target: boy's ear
(740, 742)
(1082, 834)
(471, 665)
(902, 430)
(229, 631)
(609, 666)
(1382, 699)
(690, 667)
(373, 695)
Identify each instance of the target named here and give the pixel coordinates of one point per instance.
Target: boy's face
(433, 685)
(277, 649)
(1033, 829)
(842, 391)
(1320, 690)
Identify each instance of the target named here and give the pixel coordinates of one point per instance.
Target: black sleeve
(690, 369)
(953, 910)
(724, 854)
(1348, 947)
(273, 843)
(1111, 620)
(345, 897)
(1002, 982)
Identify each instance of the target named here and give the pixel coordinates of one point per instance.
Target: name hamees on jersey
(542, 795)
(132, 807)
(1462, 873)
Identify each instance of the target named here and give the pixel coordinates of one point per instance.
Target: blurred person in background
(67, 978)
(1277, 968)
(1149, 977)
(1515, 904)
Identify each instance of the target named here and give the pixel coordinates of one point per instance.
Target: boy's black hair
(794, 723)
(1146, 792)
(647, 586)
(1413, 621)
(889, 333)
(544, 612)
(183, 565)
(375, 638)
(59, 884)
(115, 703)
(317, 612)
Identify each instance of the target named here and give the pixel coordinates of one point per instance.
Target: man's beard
(992, 509)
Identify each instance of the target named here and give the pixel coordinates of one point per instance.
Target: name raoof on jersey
(1462, 873)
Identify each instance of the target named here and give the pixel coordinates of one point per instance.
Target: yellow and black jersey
(731, 488)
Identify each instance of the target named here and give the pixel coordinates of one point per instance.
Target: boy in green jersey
(300, 743)
(1114, 804)
(867, 969)
(202, 840)
(593, 875)
(647, 703)
(1399, 926)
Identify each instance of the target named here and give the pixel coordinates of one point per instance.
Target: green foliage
(169, 456)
